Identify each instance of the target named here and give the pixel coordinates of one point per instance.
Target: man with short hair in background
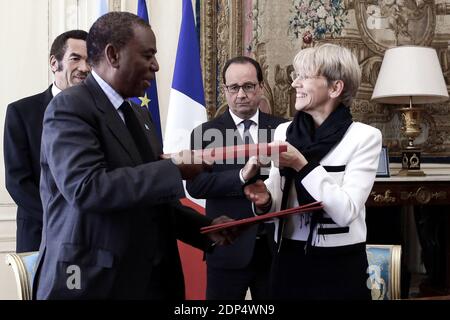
(231, 270)
(22, 136)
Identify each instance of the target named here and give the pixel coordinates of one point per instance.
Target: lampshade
(410, 71)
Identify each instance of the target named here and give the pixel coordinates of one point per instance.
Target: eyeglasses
(248, 87)
(297, 76)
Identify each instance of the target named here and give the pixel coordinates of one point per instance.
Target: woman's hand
(292, 158)
(258, 194)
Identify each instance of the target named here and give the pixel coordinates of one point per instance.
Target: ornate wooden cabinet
(429, 197)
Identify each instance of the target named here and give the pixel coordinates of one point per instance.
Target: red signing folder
(268, 216)
(239, 151)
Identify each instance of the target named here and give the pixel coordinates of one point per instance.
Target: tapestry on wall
(274, 31)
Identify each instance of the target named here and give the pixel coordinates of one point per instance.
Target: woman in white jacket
(330, 158)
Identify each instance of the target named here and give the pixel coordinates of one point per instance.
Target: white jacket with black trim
(342, 182)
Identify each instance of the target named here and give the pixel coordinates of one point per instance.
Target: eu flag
(150, 98)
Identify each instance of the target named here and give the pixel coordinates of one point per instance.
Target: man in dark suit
(22, 136)
(246, 263)
(111, 211)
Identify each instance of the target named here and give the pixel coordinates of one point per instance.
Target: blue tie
(247, 137)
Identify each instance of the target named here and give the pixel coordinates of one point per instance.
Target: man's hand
(189, 163)
(251, 168)
(225, 236)
(258, 194)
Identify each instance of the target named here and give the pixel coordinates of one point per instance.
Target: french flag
(187, 100)
(185, 112)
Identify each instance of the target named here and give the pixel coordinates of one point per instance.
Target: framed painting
(383, 164)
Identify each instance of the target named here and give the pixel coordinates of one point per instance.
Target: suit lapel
(112, 119)
(148, 128)
(228, 123)
(264, 123)
(47, 96)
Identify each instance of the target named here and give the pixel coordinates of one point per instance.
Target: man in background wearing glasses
(246, 263)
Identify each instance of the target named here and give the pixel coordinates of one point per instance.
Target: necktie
(136, 132)
(247, 136)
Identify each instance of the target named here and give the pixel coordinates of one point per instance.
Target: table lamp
(410, 75)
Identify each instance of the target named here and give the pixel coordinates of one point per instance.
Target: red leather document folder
(239, 151)
(268, 216)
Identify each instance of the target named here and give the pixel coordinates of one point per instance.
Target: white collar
(55, 89)
(115, 98)
(237, 120)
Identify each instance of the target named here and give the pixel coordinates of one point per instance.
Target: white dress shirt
(240, 125)
(115, 98)
(55, 89)
(253, 130)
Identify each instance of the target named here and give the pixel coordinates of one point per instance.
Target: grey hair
(334, 63)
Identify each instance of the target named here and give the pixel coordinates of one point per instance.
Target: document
(264, 217)
(235, 152)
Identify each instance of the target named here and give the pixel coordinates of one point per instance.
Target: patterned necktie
(247, 137)
(136, 132)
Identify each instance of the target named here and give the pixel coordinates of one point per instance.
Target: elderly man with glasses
(246, 263)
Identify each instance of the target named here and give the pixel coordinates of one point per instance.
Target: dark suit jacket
(222, 188)
(105, 211)
(21, 150)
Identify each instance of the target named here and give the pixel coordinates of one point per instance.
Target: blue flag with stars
(150, 98)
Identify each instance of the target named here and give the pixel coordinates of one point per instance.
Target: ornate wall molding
(8, 211)
(224, 45)
(221, 38)
(7, 227)
(115, 5)
(409, 26)
(208, 45)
